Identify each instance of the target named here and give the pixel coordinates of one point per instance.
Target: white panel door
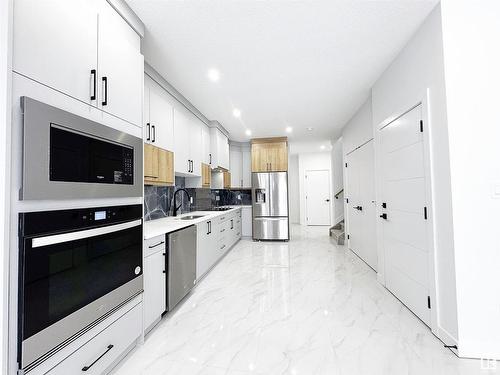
(121, 67)
(235, 167)
(161, 117)
(55, 43)
(360, 176)
(317, 197)
(154, 287)
(181, 136)
(195, 145)
(404, 230)
(246, 170)
(205, 144)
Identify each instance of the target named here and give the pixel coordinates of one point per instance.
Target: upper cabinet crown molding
(123, 9)
(84, 49)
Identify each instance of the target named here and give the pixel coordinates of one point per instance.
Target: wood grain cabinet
(206, 175)
(158, 166)
(227, 179)
(270, 155)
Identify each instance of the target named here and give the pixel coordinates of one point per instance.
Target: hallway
(303, 307)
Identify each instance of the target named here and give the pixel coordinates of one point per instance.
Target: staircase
(337, 233)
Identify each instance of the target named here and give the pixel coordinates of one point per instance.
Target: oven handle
(73, 236)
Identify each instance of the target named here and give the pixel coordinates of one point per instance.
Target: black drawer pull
(222, 230)
(223, 246)
(158, 244)
(86, 368)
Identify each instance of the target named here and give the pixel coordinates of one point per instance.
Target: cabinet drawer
(98, 354)
(222, 245)
(153, 245)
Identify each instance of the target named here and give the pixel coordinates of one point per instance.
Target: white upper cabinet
(240, 165)
(246, 172)
(55, 43)
(158, 116)
(219, 147)
(195, 145)
(121, 66)
(71, 46)
(235, 166)
(205, 145)
(182, 163)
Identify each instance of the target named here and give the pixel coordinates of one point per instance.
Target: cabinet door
(181, 148)
(166, 167)
(205, 142)
(260, 161)
(205, 175)
(154, 287)
(146, 127)
(246, 221)
(277, 154)
(195, 145)
(235, 166)
(224, 151)
(227, 180)
(151, 167)
(246, 168)
(121, 65)
(161, 115)
(203, 249)
(55, 43)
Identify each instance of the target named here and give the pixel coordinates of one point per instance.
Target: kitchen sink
(190, 217)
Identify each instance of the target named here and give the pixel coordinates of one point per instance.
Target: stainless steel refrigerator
(270, 206)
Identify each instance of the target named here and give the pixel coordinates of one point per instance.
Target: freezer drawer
(270, 228)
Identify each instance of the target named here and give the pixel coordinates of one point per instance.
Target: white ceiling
(282, 63)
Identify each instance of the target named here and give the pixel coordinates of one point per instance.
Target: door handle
(359, 208)
(384, 205)
(384, 216)
(105, 83)
(93, 74)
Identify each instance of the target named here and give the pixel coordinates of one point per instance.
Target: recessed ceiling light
(213, 75)
(289, 129)
(236, 113)
(310, 129)
(248, 132)
(322, 147)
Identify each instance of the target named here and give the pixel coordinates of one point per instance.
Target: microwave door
(260, 194)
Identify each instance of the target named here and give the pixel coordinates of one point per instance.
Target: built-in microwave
(66, 156)
(75, 267)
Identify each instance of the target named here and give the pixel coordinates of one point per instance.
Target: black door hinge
(346, 165)
(421, 126)
(425, 213)
(347, 200)
(429, 302)
(348, 237)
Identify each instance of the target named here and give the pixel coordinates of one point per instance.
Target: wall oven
(76, 266)
(69, 157)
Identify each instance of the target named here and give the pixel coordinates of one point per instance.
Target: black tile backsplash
(158, 199)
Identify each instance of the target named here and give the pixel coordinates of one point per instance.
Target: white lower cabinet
(246, 221)
(101, 353)
(205, 254)
(154, 280)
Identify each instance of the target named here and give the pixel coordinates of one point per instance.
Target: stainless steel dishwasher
(181, 264)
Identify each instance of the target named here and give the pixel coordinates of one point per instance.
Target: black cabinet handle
(208, 227)
(93, 74)
(232, 224)
(210, 159)
(384, 216)
(158, 244)
(153, 128)
(86, 368)
(105, 82)
(148, 126)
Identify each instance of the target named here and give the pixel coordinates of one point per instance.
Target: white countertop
(169, 224)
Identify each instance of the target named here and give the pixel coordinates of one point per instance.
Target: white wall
(359, 129)
(5, 97)
(311, 161)
(418, 68)
(471, 38)
(293, 189)
(337, 180)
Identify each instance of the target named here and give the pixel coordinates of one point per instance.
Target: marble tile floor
(302, 307)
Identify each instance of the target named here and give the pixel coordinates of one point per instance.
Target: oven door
(69, 280)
